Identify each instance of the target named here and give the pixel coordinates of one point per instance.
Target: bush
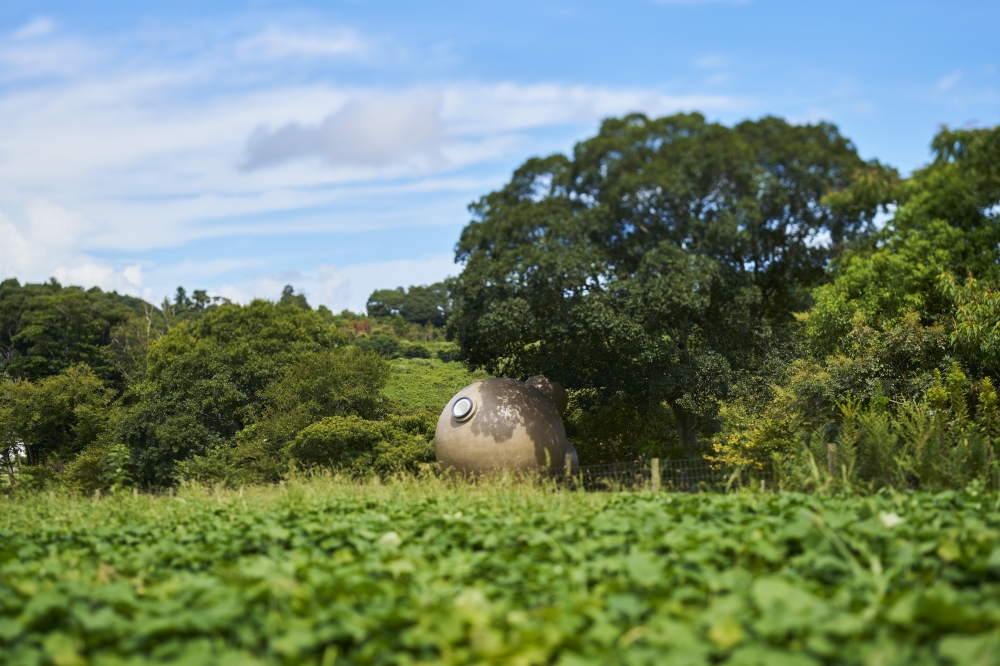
(380, 342)
(352, 442)
(933, 442)
(55, 417)
(416, 351)
(103, 465)
(38, 477)
(448, 353)
(207, 381)
(221, 465)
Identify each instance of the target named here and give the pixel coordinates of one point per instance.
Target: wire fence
(685, 475)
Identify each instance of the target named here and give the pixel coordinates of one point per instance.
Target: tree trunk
(9, 465)
(686, 422)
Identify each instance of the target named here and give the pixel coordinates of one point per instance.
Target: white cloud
(143, 153)
(367, 132)
(462, 123)
(46, 245)
(276, 43)
(36, 27)
(22, 60)
(349, 287)
(949, 81)
(360, 280)
(232, 293)
(157, 167)
(509, 107)
(93, 273)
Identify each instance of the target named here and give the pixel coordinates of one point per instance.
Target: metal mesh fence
(686, 475)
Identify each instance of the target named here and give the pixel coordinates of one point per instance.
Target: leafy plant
(323, 570)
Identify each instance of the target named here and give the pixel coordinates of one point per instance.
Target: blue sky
(242, 146)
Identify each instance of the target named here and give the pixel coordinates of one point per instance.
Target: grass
(419, 383)
(323, 570)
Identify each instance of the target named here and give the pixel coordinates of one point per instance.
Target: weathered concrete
(553, 390)
(511, 425)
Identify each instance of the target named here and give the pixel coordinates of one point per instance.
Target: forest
(755, 295)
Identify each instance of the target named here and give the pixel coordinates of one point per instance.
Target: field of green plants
(428, 571)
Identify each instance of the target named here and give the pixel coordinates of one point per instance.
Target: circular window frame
(468, 414)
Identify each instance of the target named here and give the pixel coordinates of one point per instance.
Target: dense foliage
(895, 384)
(46, 328)
(700, 290)
(325, 572)
(660, 264)
(205, 389)
(684, 279)
(419, 305)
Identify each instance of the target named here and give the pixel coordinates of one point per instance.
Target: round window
(462, 409)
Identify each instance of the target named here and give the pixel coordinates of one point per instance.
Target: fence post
(568, 470)
(656, 474)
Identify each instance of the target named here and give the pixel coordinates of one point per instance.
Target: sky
(239, 146)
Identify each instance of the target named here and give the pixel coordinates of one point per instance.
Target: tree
(907, 277)
(289, 297)
(915, 302)
(658, 264)
(418, 305)
(46, 328)
(338, 382)
(55, 417)
(206, 380)
(185, 308)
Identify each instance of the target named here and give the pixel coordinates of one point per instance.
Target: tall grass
(64, 508)
(932, 444)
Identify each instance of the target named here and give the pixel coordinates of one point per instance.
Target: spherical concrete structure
(553, 390)
(500, 424)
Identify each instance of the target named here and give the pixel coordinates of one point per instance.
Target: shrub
(207, 381)
(353, 442)
(416, 351)
(380, 342)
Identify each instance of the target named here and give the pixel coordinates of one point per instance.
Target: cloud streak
(46, 244)
(948, 82)
(36, 27)
(277, 43)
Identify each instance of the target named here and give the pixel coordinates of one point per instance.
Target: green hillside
(419, 383)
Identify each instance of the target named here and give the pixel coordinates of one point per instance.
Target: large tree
(933, 270)
(419, 304)
(46, 328)
(206, 380)
(53, 418)
(659, 262)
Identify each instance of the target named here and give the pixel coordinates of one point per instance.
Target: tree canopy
(699, 289)
(418, 304)
(920, 293)
(46, 328)
(206, 379)
(660, 261)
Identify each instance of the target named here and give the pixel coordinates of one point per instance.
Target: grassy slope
(430, 571)
(418, 383)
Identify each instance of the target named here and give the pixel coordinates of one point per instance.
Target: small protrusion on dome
(553, 391)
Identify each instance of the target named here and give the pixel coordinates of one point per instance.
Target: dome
(500, 424)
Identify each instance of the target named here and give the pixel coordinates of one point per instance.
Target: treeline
(101, 390)
(733, 293)
(756, 294)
